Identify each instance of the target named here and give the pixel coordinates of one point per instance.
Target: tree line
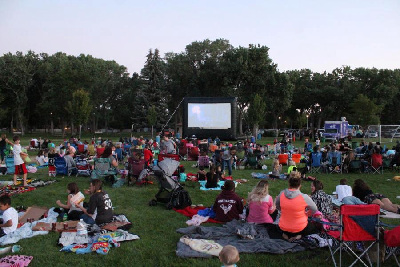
(83, 92)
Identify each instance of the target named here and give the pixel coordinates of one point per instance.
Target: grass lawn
(156, 226)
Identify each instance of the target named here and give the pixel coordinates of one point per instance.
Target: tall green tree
(364, 111)
(79, 108)
(256, 113)
(16, 78)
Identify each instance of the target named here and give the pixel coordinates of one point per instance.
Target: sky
(318, 35)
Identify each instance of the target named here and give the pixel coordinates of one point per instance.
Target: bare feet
(285, 237)
(297, 237)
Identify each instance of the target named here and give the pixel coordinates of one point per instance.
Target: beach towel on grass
(190, 212)
(220, 184)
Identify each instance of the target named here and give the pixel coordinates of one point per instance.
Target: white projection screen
(209, 115)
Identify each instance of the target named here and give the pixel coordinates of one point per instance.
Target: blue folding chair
(316, 159)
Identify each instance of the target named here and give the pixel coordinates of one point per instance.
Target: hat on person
(229, 185)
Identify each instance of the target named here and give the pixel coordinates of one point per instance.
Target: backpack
(180, 199)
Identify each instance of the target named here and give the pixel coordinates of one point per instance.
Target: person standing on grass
(18, 161)
(228, 159)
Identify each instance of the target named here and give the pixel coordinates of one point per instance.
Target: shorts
(371, 197)
(20, 169)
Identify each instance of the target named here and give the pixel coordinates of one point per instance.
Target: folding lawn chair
(335, 162)
(376, 165)
(104, 169)
(354, 166)
(62, 168)
(119, 153)
(10, 164)
(316, 159)
(358, 233)
(283, 159)
(135, 167)
(392, 242)
(204, 161)
(252, 161)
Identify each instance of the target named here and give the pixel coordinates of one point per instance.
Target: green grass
(157, 226)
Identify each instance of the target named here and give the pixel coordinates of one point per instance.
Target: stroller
(171, 191)
(83, 167)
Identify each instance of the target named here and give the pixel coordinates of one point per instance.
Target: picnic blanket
(13, 190)
(192, 211)
(101, 243)
(15, 260)
(219, 187)
(246, 237)
(25, 231)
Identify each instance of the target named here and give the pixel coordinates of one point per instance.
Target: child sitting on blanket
(74, 212)
(10, 216)
(212, 178)
(228, 205)
(261, 204)
(229, 256)
(276, 169)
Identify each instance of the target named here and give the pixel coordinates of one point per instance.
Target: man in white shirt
(343, 190)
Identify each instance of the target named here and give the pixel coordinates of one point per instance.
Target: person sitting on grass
(74, 212)
(212, 178)
(228, 205)
(99, 201)
(260, 204)
(343, 190)
(41, 158)
(229, 256)
(276, 169)
(293, 204)
(320, 198)
(362, 191)
(10, 216)
(201, 174)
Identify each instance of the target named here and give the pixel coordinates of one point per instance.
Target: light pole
(307, 121)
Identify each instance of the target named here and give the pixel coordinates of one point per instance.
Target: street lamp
(307, 121)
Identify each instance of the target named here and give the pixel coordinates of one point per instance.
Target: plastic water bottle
(65, 217)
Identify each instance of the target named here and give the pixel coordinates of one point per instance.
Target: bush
(270, 133)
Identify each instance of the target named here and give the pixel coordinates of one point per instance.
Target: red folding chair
(358, 223)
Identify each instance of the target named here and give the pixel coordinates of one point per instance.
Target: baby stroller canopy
(168, 166)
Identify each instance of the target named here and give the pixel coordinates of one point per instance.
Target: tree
(256, 113)
(79, 108)
(364, 111)
(16, 77)
(152, 118)
(152, 91)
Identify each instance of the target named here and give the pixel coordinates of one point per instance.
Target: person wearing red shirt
(148, 155)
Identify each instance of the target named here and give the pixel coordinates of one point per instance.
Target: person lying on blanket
(10, 216)
(100, 201)
(228, 205)
(293, 204)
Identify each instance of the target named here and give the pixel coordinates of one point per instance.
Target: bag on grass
(180, 199)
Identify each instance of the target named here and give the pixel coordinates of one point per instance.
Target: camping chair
(358, 223)
(283, 159)
(354, 166)
(81, 148)
(204, 161)
(392, 242)
(118, 152)
(193, 153)
(252, 161)
(127, 148)
(316, 159)
(376, 165)
(135, 167)
(296, 158)
(335, 162)
(161, 157)
(62, 168)
(99, 151)
(104, 169)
